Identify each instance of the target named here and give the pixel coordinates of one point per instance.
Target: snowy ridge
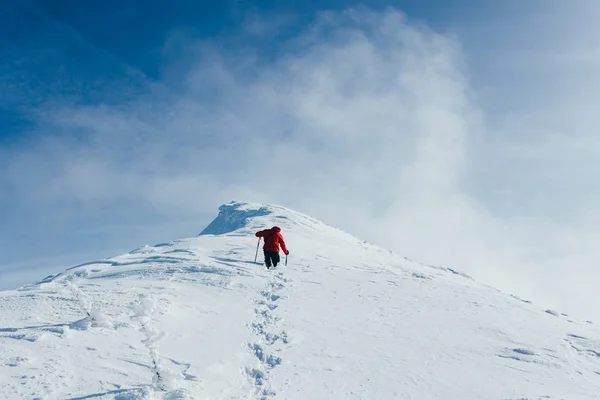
(196, 318)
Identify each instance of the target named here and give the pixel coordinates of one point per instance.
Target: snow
(196, 318)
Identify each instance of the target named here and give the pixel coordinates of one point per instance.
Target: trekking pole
(256, 255)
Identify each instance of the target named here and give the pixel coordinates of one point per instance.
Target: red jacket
(273, 239)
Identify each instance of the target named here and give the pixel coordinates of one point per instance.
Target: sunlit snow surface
(198, 319)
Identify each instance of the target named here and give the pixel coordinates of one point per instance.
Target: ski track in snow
(268, 338)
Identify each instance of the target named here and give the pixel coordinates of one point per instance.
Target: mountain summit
(196, 318)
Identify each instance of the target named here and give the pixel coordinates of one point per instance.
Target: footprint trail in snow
(268, 338)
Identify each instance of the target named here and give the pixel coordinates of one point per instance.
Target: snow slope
(198, 319)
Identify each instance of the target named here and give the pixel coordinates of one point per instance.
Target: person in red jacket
(273, 238)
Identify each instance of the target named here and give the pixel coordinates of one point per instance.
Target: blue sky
(458, 133)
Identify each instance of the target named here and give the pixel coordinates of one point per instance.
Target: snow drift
(198, 319)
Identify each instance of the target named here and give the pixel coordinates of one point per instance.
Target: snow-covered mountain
(198, 319)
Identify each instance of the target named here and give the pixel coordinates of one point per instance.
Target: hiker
(273, 239)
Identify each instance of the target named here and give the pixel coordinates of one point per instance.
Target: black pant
(271, 257)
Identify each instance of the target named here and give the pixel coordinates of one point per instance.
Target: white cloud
(367, 121)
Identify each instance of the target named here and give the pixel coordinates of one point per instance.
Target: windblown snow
(197, 318)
